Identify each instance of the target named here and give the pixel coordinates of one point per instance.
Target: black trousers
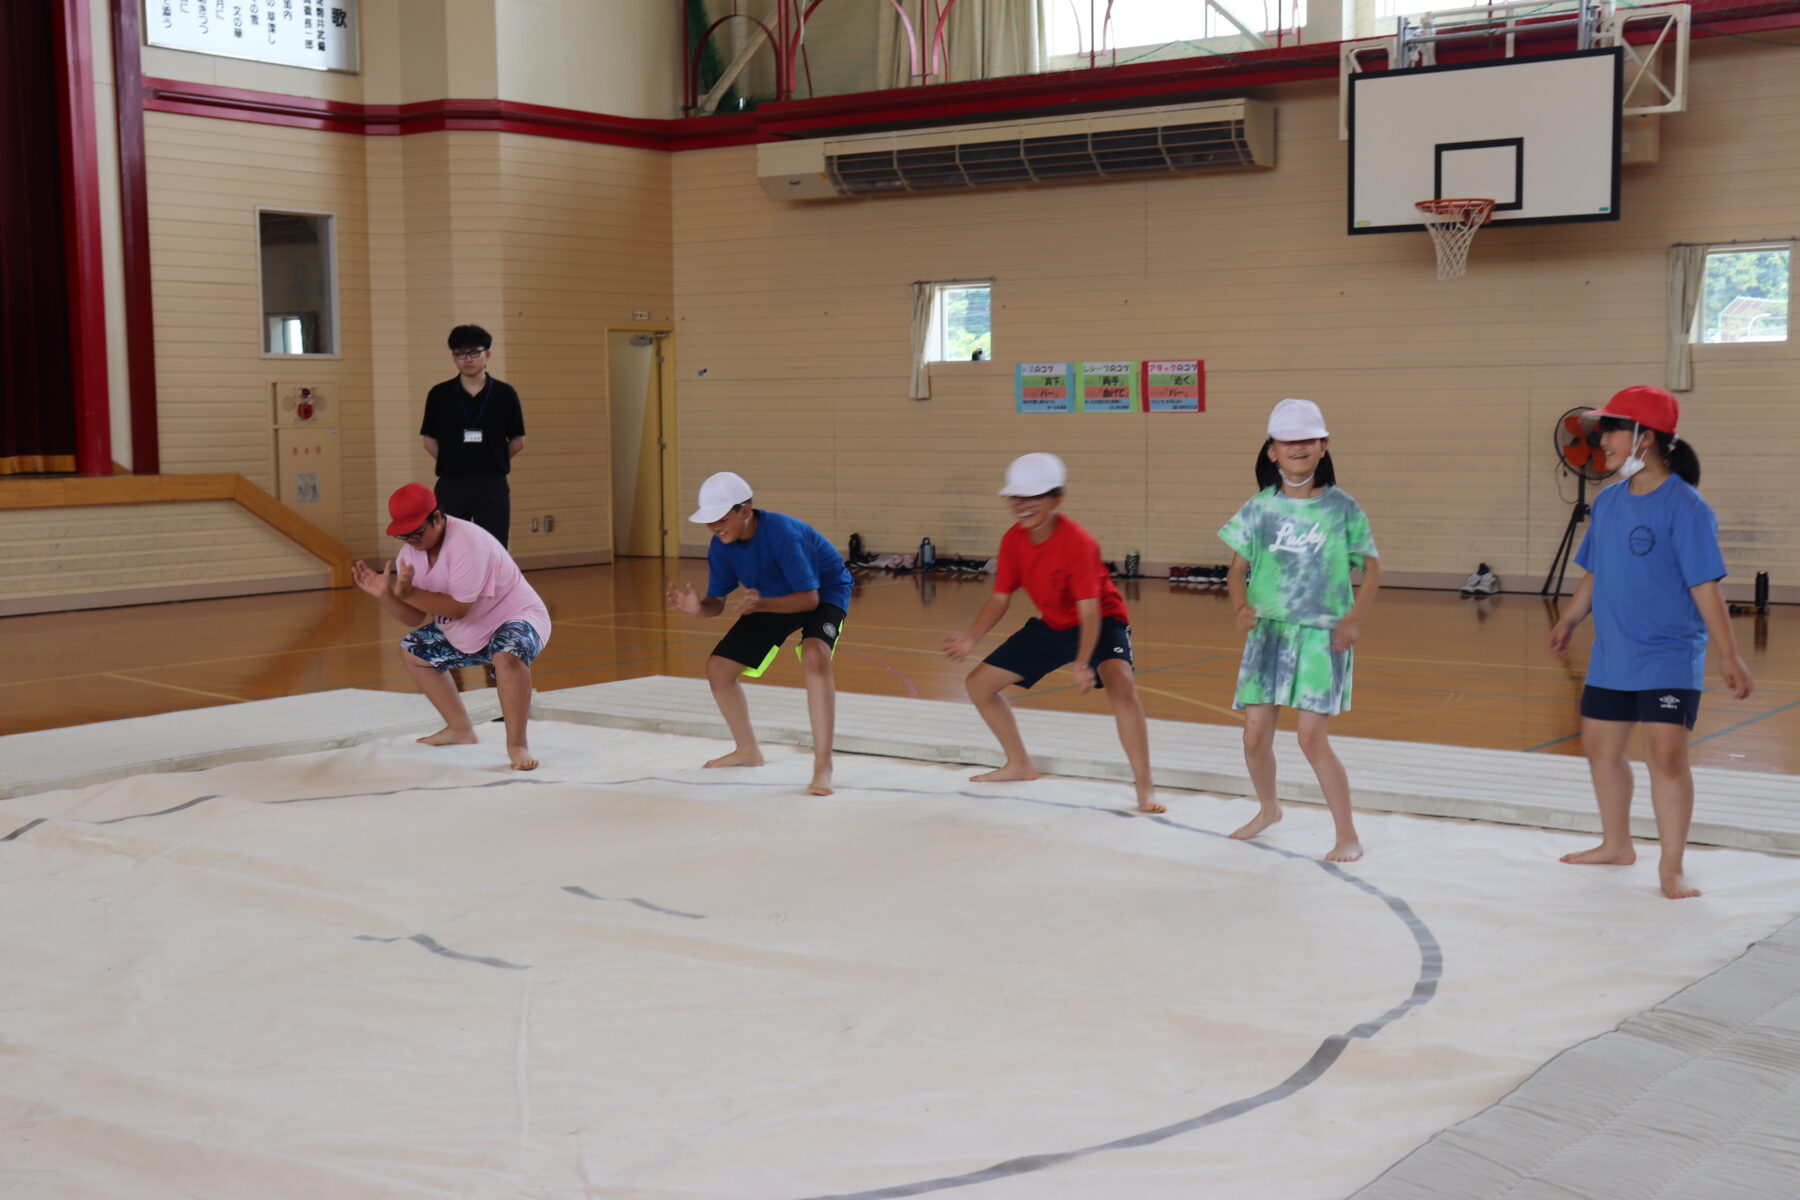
(483, 499)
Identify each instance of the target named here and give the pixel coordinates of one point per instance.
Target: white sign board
(318, 34)
(1539, 136)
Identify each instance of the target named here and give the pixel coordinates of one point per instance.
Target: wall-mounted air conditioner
(1144, 141)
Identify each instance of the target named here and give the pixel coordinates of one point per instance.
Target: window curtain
(921, 333)
(1687, 277)
(37, 404)
(983, 39)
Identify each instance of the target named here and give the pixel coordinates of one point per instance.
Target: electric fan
(1577, 452)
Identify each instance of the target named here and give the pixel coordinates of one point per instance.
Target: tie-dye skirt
(1294, 666)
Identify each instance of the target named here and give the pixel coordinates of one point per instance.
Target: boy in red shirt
(1084, 622)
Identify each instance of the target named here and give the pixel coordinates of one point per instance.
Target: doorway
(640, 389)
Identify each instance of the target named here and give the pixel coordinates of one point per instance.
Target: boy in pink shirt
(470, 605)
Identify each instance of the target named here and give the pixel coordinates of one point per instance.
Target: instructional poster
(1044, 388)
(1175, 385)
(1108, 386)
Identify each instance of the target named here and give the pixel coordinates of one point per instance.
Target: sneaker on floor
(1482, 583)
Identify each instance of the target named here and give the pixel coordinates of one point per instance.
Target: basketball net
(1452, 224)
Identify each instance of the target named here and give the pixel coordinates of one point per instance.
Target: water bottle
(927, 555)
(1131, 564)
(856, 547)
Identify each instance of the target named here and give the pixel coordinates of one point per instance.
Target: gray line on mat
(433, 945)
(1431, 968)
(25, 828)
(161, 812)
(641, 903)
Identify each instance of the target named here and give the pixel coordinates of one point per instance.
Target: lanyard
(462, 401)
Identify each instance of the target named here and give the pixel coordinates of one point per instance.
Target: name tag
(471, 435)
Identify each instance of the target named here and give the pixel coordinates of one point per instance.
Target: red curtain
(37, 404)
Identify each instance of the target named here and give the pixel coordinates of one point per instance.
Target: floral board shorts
(1294, 666)
(516, 638)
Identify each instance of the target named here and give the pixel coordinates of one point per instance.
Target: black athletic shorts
(1036, 650)
(756, 638)
(1653, 706)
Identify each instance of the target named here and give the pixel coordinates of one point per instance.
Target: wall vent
(1177, 139)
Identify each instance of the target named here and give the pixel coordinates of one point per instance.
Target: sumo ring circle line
(1330, 1048)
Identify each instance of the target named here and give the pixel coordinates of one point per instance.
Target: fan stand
(1559, 566)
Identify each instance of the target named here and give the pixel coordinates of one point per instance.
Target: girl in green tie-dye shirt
(1298, 540)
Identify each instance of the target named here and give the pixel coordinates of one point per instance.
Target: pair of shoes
(1201, 575)
(1482, 583)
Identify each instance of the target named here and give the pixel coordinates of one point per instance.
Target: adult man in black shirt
(474, 427)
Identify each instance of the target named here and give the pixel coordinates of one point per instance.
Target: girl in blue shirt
(1653, 568)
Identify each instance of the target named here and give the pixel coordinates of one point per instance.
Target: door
(636, 385)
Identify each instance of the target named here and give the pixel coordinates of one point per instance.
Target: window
(1151, 30)
(299, 283)
(1744, 295)
(962, 325)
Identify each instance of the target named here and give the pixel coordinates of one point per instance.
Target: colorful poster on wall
(1044, 388)
(1175, 385)
(1108, 386)
(320, 34)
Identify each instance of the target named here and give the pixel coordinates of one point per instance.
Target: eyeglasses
(470, 355)
(416, 536)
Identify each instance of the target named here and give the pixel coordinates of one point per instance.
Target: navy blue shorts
(1036, 650)
(1653, 706)
(755, 638)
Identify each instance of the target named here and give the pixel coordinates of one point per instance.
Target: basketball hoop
(1452, 224)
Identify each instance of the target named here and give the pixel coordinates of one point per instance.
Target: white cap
(718, 495)
(1034, 474)
(1296, 421)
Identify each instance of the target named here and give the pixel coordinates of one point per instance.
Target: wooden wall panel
(1441, 396)
(545, 243)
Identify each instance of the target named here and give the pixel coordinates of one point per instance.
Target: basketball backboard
(1540, 136)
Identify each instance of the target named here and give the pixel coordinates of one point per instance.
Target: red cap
(409, 507)
(1650, 407)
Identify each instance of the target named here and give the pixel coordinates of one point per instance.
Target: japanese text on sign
(1108, 386)
(317, 34)
(1043, 387)
(1175, 385)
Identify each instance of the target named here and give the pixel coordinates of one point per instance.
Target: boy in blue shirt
(793, 579)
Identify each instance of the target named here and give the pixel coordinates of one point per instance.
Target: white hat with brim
(1034, 474)
(719, 495)
(1296, 421)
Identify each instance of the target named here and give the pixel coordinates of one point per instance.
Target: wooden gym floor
(1431, 666)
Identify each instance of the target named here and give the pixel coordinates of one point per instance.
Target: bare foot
(1147, 804)
(1006, 774)
(1347, 850)
(521, 758)
(450, 737)
(821, 784)
(738, 758)
(1257, 824)
(1603, 856)
(1676, 887)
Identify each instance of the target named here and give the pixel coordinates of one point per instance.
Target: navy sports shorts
(1652, 706)
(1036, 650)
(756, 638)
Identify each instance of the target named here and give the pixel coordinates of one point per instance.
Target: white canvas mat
(394, 971)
